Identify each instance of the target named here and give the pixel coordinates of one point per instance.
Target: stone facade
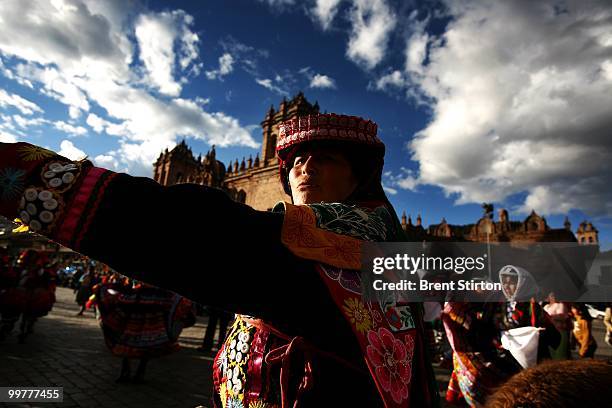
(255, 182)
(534, 228)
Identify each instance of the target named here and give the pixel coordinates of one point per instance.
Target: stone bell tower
(298, 106)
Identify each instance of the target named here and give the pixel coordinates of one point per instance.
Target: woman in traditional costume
(38, 281)
(479, 363)
(521, 309)
(560, 315)
(583, 331)
(84, 291)
(140, 322)
(304, 334)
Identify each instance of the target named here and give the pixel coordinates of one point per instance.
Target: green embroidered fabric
(351, 220)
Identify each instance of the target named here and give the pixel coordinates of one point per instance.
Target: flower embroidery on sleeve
(358, 314)
(390, 359)
(31, 153)
(11, 183)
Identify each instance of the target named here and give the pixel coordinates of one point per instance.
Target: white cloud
(57, 84)
(23, 105)
(156, 34)
(74, 112)
(281, 4)
(97, 123)
(226, 66)
(416, 51)
(107, 161)
(28, 122)
(69, 150)
(395, 79)
(406, 179)
(6, 137)
(372, 23)
(322, 81)
(389, 190)
(520, 107)
(324, 11)
(269, 84)
(70, 129)
(80, 52)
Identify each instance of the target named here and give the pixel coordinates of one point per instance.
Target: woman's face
(321, 175)
(509, 283)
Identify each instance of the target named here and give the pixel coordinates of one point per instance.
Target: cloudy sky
(504, 102)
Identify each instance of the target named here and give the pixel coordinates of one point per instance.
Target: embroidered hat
(358, 134)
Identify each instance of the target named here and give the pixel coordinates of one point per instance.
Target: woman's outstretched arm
(187, 238)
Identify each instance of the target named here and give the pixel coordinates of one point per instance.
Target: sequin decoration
(39, 209)
(235, 358)
(60, 176)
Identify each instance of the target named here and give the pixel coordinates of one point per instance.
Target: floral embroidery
(297, 227)
(358, 314)
(223, 394)
(351, 220)
(31, 153)
(11, 183)
(258, 404)
(233, 362)
(302, 236)
(399, 317)
(344, 249)
(347, 278)
(234, 403)
(222, 359)
(390, 359)
(376, 316)
(409, 346)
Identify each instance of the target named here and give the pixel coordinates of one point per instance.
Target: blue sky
(476, 102)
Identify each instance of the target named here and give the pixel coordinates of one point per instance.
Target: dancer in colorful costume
(479, 364)
(302, 344)
(34, 295)
(140, 322)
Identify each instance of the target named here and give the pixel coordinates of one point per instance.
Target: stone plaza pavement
(69, 351)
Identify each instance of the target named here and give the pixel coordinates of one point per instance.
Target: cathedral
(255, 182)
(533, 228)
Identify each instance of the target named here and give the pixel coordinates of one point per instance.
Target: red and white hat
(326, 127)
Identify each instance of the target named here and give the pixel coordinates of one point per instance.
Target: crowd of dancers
(487, 343)
(141, 322)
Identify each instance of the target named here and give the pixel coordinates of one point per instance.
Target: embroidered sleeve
(307, 240)
(53, 196)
